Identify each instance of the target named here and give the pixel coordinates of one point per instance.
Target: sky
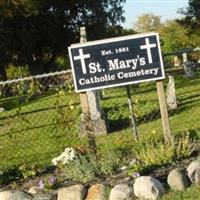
(167, 9)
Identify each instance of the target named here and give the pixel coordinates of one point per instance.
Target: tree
(192, 11)
(35, 32)
(191, 14)
(174, 36)
(191, 21)
(147, 22)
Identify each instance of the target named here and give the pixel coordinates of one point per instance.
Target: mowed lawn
(33, 132)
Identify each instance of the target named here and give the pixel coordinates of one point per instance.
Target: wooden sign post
(164, 112)
(83, 95)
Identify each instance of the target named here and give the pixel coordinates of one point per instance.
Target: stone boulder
(33, 190)
(177, 180)
(1, 109)
(76, 192)
(14, 195)
(121, 192)
(147, 187)
(96, 192)
(45, 197)
(193, 171)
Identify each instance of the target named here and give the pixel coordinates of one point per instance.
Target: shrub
(157, 153)
(90, 166)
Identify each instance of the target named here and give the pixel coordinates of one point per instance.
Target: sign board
(116, 61)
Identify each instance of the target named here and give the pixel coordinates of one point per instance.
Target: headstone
(171, 94)
(96, 192)
(177, 180)
(146, 187)
(98, 125)
(193, 171)
(94, 104)
(189, 67)
(177, 62)
(76, 192)
(121, 192)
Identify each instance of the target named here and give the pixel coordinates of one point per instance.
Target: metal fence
(40, 115)
(34, 118)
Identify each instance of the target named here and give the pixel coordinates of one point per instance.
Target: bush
(14, 72)
(157, 153)
(90, 166)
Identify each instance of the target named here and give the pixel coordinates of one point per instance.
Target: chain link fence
(40, 115)
(35, 120)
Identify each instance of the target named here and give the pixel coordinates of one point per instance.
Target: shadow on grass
(15, 174)
(184, 107)
(125, 122)
(53, 126)
(118, 124)
(193, 133)
(138, 90)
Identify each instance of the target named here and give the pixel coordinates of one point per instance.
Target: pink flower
(52, 180)
(41, 185)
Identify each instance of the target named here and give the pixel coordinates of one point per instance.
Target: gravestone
(171, 94)
(189, 67)
(177, 61)
(93, 120)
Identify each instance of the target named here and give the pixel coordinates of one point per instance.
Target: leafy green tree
(192, 13)
(191, 21)
(35, 32)
(147, 22)
(174, 36)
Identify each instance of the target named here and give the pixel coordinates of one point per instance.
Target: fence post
(133, 121)
(164, 112)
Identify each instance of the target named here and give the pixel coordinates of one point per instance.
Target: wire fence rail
(40, 115)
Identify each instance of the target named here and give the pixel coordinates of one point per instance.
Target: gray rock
(121, 192)
(76, 192)
(1, 109)
(177, 180)
(123, 168)
(14, 195)
(96, 192)
(147, 187)
(193, 171)
(45, 197)
(33, 190)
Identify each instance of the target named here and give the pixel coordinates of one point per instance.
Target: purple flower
(52, 180)
(41, 185)
(135, 174)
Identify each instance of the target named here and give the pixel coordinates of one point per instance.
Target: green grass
(191, 193)
(35, 131)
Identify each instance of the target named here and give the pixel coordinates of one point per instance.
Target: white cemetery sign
(116, 61)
